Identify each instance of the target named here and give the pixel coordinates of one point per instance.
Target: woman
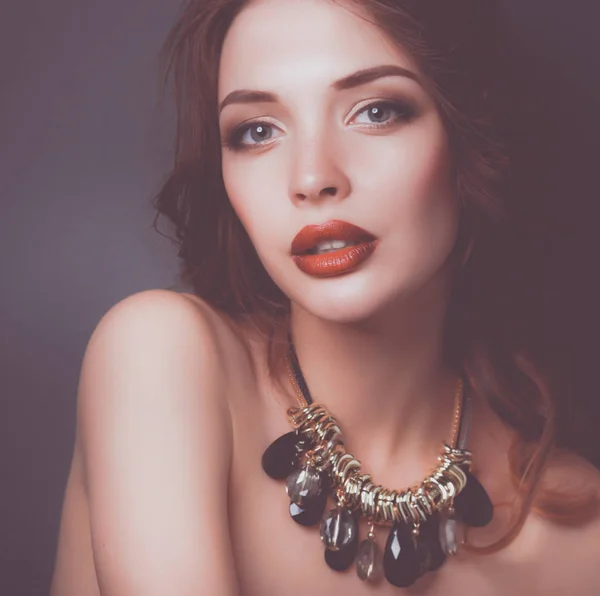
(341, 187)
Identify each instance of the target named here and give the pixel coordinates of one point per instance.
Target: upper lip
(309, 236)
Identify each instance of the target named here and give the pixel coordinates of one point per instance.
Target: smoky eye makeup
(386, 111)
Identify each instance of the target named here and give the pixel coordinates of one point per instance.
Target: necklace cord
(461, 418)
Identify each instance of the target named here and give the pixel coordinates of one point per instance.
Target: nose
(317, 172)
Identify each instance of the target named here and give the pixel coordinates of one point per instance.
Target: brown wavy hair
(475, 69)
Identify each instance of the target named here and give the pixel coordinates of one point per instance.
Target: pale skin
(166, 494)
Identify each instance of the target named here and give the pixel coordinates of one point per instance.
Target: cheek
(248, 194)
(426, 194)
(432, 203)
(255, 195)
(415, 180)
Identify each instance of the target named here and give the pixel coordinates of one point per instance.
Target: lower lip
(336, 262)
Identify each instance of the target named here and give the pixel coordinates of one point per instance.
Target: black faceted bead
(280, 457)
(400, 561)
(311, 513)
(340, 560)
(473, 505)
(428, 542)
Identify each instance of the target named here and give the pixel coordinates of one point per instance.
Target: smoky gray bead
(338, 528)
(451, 533)
(304, 485)
(369, 564)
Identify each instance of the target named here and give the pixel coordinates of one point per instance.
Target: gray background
(83, 149)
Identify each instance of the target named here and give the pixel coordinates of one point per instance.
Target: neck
(384, 379)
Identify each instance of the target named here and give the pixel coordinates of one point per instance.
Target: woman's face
(373, 154)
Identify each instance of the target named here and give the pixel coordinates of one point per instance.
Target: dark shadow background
(83, 149)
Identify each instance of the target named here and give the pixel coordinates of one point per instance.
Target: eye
(248, 136)
(380, 114)
(385, 113)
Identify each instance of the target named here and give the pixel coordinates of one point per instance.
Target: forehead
(283, 43)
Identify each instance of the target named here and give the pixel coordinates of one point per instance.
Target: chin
(346, 299)
(346, 313)
(364, 295)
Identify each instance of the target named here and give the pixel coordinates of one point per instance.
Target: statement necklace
(425, 521)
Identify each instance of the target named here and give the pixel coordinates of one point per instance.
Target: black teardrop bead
(473, 505)
(340, 560)
(280, 457)
(428, 542)
(423, 556)
(311, 513)
(400, 562)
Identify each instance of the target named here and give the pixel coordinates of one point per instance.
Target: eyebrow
(356, 79)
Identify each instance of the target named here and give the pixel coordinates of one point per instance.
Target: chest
(276, 555)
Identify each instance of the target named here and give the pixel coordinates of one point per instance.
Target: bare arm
(156, 441)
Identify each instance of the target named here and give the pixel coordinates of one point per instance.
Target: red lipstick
(308, 257)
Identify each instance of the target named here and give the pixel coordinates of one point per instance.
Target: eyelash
(233, 140)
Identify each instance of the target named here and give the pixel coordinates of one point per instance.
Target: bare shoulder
(163, 310)
(568, 470)
(152, 337)
(153, 318)
(156, 442)
(572, 551)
